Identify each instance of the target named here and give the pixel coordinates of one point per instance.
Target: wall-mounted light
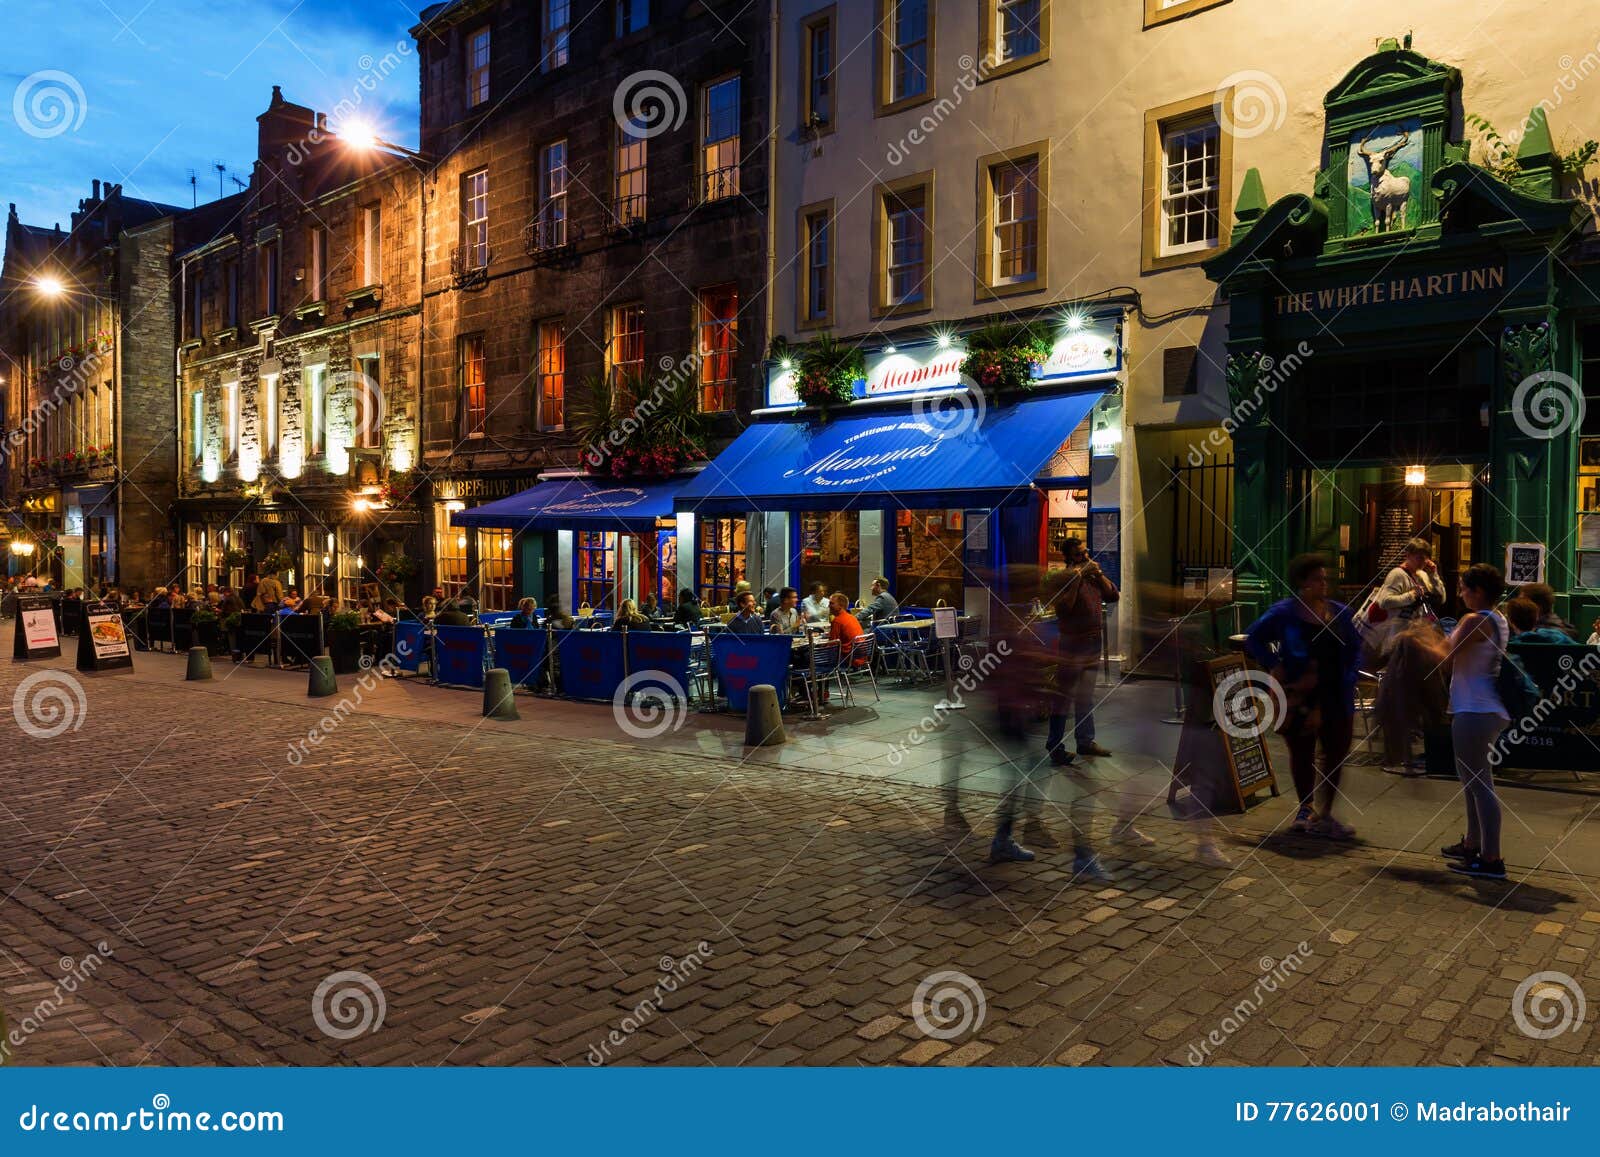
(787, 363)
(454, 506)
(1075, 321)
(1416, 475)
(461, 542)
(889, 349)
(361, 505)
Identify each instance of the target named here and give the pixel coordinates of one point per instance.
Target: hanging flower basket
(826, 372)
(1005, 359)
(277, 561)
(396, 568)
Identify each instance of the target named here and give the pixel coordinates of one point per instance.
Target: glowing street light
(49, 285)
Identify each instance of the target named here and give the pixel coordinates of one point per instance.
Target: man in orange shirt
(845, 629)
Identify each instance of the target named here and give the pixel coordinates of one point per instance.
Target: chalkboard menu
(1243, 737)
(36, 628)
(103, 640)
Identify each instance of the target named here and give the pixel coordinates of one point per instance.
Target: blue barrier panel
(521, 653)
(410, 645)
(458, 654)
(660, 660)
(739, 662)
(591, 663)
(496, 618)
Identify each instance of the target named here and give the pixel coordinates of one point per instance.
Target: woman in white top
(1473, 655)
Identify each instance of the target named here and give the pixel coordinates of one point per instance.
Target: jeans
(1472, 734)
(1077, 694)
(1025, 771)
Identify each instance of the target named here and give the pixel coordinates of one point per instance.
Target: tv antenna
(194, 189)
(221, 169)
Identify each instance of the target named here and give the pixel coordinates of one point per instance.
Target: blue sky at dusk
(173, 85)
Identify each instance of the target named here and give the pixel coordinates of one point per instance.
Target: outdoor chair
(858, 664)
(822, 665)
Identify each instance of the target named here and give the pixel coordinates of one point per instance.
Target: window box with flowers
(639, 429)
(826, 371)
(1005, 359)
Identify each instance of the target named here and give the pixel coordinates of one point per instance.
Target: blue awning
(927, 459)
(578, 504)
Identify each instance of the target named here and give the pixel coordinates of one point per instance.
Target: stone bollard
(322, 683)
(763, 722)
(199, 664)
(498, 699)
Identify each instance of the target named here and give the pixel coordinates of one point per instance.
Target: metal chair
(863, 653)
(822, 664)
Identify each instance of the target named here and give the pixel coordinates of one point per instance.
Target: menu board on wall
(1105, 542)
(103, 640)
(36, 628)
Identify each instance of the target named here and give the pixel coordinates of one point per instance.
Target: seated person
(1594, 634)
(816, 606)
(1524, 616)
(527, 616)
(688, 612)
(768, 600)
(555, 616)
(786, 618)
(456, 613)
(628, 616)
(1543, 596)
(387, 611)
(747, 620)
(313, 604)
(845, 628)
(882, 608)
(648, 607)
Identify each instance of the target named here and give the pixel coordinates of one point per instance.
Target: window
(494, 570)
(478, 68)
(317, 277)
(371, 245)
(722, 559)
(196, 557)
(450, 550)
(906, 36)
(267, 417)
(366, 395)
(718, 326)
(625, 344)
(1161, 11)
(816, 71)
(267, 256)
(1187, 180)
(314, 411)
(197, 426)
(900, 262)
(1016, 34)
(230, 421)
(473, 385)
(632, 15)
(1011, 235)
(475, 219)
(316, 552)
(552, 224)
(230, 275)
(719, 139)
(596, 562)
(350, 562)
(816, 275)
(552, 375)
(557, 27)
(629, 194)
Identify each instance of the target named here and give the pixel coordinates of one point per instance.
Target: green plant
(396, 568)
(633, 427)
(826, 371)
(233, 558)
(231, 622)
(1005, 357)
(203, 616)
(1500, 155)
(276, 561)
(344, 621)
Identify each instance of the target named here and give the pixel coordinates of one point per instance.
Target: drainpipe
(774, 25)
(174, 522)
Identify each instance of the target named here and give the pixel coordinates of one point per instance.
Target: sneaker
(1458, 851)
(1038, 835)
(1331, 829)
(1481, 868)
(1413, 771)
(1004, 849)
(1302, 820)
(1393, 769)
(1128, 834)
(1087, 864)
(1211, 856)
(1093, 749)
(954, 820)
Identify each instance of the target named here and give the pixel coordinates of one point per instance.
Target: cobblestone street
(519, 900)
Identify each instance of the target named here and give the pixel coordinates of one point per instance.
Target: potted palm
(344, 642)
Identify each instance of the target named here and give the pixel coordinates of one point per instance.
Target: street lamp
(49, 285)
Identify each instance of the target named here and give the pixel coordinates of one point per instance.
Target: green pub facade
(1409, 348)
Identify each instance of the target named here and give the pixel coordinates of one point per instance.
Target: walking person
(1078, 596)
(1310, 646)
(1012, 694)
(1473, 656)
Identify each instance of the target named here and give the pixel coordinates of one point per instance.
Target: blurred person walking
(1077, 596)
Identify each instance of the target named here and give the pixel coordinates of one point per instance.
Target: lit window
(596, 563)
(552, 373)
(1190, 217)
(1015, 188)
(371, 245)
(629, 194)
(557, 29)
(719, 346)
(478, 68)
(719, 139)
(450, 551)
(230, 421)
(474, 393)
(316, 282)
(367, 397)
(494, 570)
(314, 410)
(267, 417)
(625, 351)
(197, 426)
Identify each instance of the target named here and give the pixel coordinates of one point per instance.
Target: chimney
(97, 188)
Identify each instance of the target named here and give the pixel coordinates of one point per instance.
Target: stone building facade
(561, 250)
(298, 315)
